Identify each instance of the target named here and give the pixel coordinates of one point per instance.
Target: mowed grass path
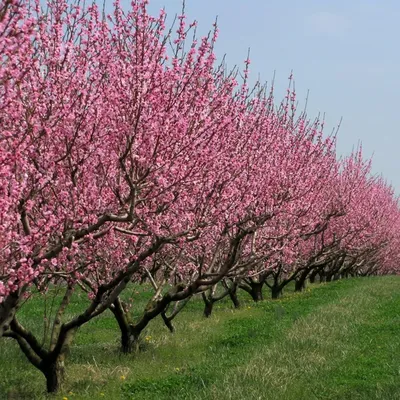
(335, 341)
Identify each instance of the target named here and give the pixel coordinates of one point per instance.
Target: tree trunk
(233, 296)
(336, 277)
(8, 308)
(300, 282)
(50, 362)
(178, 307)
(167, 322)
(276, 291)
(329, 278)
(130, 332)
(299, 285)
(256, 291)
(54, 373)
(129, 340)
(208, 307)
(313, 276)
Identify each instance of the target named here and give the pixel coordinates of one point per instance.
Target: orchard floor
(339, 340)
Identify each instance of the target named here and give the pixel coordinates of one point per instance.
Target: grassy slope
(335, 341)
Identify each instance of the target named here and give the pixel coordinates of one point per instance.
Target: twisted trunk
(210, 297)
(178, 307)
(50, 362)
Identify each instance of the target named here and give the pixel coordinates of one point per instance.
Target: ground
(339, 340)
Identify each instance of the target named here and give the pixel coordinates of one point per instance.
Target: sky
(344, 52)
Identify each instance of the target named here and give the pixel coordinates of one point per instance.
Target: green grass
(335, 341)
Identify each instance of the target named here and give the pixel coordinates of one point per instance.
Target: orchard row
(128, 154)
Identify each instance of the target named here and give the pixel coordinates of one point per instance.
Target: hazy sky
(346, 52)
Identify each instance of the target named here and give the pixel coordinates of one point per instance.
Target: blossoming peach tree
(108, 143)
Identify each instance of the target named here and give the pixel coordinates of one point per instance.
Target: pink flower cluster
(110, 142)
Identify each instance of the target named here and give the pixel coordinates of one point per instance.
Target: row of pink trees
(126, 156)
(350, 226)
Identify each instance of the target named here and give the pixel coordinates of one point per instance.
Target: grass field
(335, 341)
